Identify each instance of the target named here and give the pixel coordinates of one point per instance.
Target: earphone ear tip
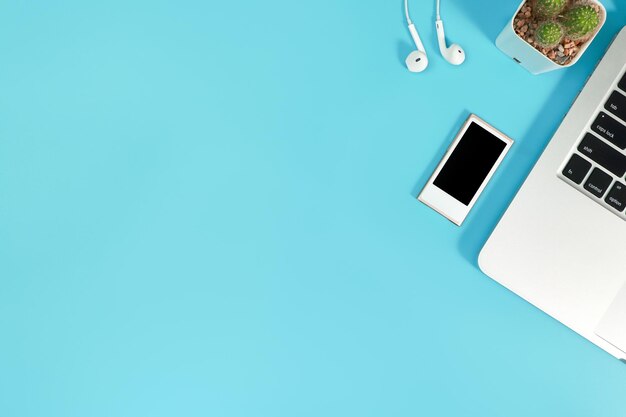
(460, 56)
(455, 55)
(417, 61)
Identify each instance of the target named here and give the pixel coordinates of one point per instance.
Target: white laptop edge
(538, 249)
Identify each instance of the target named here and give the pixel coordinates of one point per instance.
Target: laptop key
(617, 197)
(617, 105)
(577, 169)
(622, 84)
(603, 154)
(610, 129)
(598, 182)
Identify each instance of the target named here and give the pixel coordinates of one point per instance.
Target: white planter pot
(527, 56)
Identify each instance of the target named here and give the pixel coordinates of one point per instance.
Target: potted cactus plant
(546, 35)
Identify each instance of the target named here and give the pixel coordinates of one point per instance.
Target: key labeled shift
(603, 154)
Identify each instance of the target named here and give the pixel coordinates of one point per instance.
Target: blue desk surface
(208, 209)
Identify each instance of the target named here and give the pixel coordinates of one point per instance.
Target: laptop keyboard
(597, 165)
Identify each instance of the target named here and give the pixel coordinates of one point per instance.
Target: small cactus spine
(549, 34)
(580, 21)
(549, 9)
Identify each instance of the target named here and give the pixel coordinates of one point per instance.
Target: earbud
(454, 54)
(417, 61)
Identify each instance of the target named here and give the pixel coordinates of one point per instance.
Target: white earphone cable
(406, 10)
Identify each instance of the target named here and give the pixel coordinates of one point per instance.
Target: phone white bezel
(444, 203)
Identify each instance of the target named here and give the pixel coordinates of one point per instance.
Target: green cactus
(581, 21)
(549, 34)
(549, 9)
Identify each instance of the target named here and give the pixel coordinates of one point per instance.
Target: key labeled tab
(617, 105)
(617, 197)
(603, 154)
(610, 129)
(577, 168)
(598, 182)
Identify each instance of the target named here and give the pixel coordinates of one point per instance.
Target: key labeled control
(617, 197)
(577, 168)
(598, 182)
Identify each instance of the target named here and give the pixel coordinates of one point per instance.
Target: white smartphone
(465, 170)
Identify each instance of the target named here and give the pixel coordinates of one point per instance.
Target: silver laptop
(561, 244)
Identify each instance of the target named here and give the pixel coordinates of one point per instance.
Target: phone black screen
(470, 163)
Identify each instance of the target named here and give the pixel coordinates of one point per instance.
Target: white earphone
(417, 61)
(453, 54)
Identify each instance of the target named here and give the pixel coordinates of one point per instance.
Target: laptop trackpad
(612, 328)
